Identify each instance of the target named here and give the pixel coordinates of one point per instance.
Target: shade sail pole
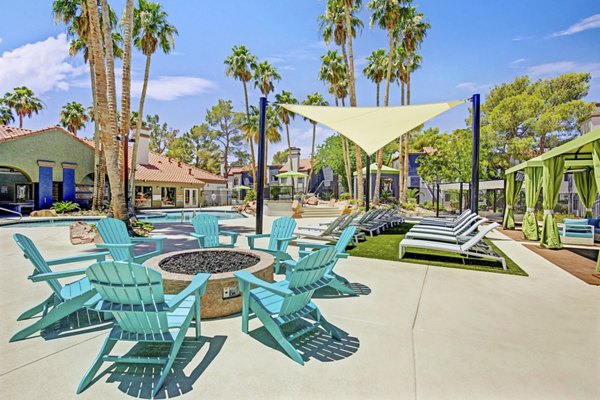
(368, 183)
(260, 179)
(475, 160)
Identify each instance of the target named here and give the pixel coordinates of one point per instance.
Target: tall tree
(414, 30)
(285, 116)
(151, 31)
(313, 99)
(118, 205)
(6, 115)
(161, 135)
(125, 123)
(240, 65)
(73, 116)
(24, 102)
(224, 126)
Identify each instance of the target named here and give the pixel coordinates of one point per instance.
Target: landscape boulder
(82, 233)
(43, 213)
(312, 201)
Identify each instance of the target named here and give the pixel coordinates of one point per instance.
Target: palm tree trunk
(359, 178)
(96, 201)
(246, 98)
(126, 98)
(110, 73)
(108, 135)
(400, 168)
(20, 120)
(253, 163)
(138, 124)
(406, 140)
(289, 142)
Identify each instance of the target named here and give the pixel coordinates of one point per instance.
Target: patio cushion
(595, 222)
(573, 221)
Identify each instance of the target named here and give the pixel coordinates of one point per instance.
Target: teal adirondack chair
(279, 238)
(64, 300)
(120, 245)
(206, 230)
(277, 304)
(134, 295)
(338, 282)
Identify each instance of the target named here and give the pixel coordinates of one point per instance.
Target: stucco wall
(156, 191)
(56, 146)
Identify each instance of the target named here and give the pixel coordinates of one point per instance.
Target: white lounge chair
(445, 221)
(442, 236)
(469, 249)
(470, 219)
(459, 230)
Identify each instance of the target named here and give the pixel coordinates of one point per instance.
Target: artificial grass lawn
(385, 247)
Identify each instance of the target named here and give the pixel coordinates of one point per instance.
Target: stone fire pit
(223, 296)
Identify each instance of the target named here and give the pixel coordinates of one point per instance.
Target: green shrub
(250, 195)
(141, 228)
(409, 206)
(62, 207)
(345, 196)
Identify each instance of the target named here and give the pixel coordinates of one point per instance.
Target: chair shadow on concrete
(78, 323)
(137, 380)
(316, 344)
(328, 292)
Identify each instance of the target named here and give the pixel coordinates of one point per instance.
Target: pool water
(155, 218)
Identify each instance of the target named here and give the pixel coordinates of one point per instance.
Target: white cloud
(173, 87)
(473, 86)
(42, 66)
(562, 67)
(521, 38)
(517, 63)
(585, 24)
(0, 40)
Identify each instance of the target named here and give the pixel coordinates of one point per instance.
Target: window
(22, 192)
(168, 196)
(143, 196)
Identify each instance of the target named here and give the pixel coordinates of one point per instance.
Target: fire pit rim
(265, 260)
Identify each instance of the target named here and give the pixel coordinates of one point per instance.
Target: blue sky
(471, 46)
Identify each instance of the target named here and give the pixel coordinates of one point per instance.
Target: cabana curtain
(585, 183)
(533, 185)
(596, 164)
(552, 174)
(513, 187)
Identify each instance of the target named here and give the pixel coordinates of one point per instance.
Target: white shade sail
(372, 127)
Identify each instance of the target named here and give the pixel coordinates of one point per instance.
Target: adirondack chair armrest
(148, 239)
(282, 241)
(57, 275)
(198, 284)
(229, 233)
(114, 246)
(201, 238)
(251, 238)
(251, 279)
(100, 256)
(342, 255)
(304, 245)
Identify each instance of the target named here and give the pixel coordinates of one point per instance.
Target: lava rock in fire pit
(214, 262)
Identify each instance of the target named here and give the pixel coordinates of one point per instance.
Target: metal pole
(460, 199)
(437, 201)
(260, 178)
(126, 172)
(475, 160)
(368, 183)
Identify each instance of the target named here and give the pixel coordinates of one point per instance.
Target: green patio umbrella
(292, 174)
(240, 188)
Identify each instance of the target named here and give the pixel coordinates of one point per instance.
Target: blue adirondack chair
(338, 282)
(64, 300)
(277, 304)
(279, 238)
(134, 295)
(206, 230)
(120, 245)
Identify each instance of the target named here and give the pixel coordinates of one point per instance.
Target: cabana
(580, 156)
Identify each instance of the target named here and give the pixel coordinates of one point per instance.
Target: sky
(472, 45)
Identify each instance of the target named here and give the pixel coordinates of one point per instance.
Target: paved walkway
(416, 332)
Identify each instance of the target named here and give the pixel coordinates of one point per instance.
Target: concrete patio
(415, 332)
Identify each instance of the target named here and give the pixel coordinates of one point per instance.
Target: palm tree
(414, 31)
(24, 102)
(376, 70)
(6, 115)
(285, 115)
(314, 99)
(125, 123)
(240, 65)
(151, 31)
(118, 205)
(73, 116)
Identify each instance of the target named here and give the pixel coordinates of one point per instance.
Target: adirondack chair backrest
(480, 235)
(114, 231)
(344, 239)
(134, 294)
(32, 254)
(207, 225)
(283, 227)
(308, 270)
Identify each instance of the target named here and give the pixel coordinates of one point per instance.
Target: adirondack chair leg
(197, 314)
(107, 346)
(340, 287)
(329, 328)
(277, 334)
(167, 367)
(55, 314)
(37, 309)
(245, 288)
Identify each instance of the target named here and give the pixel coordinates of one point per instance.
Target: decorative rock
(43, 213)
(312, 201)
(82, 233)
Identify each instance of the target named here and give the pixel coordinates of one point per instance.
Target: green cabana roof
(577, 152)
(384, 170)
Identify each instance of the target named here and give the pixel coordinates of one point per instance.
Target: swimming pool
(153, 217)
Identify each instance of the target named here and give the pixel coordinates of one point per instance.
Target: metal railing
(12, 212)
